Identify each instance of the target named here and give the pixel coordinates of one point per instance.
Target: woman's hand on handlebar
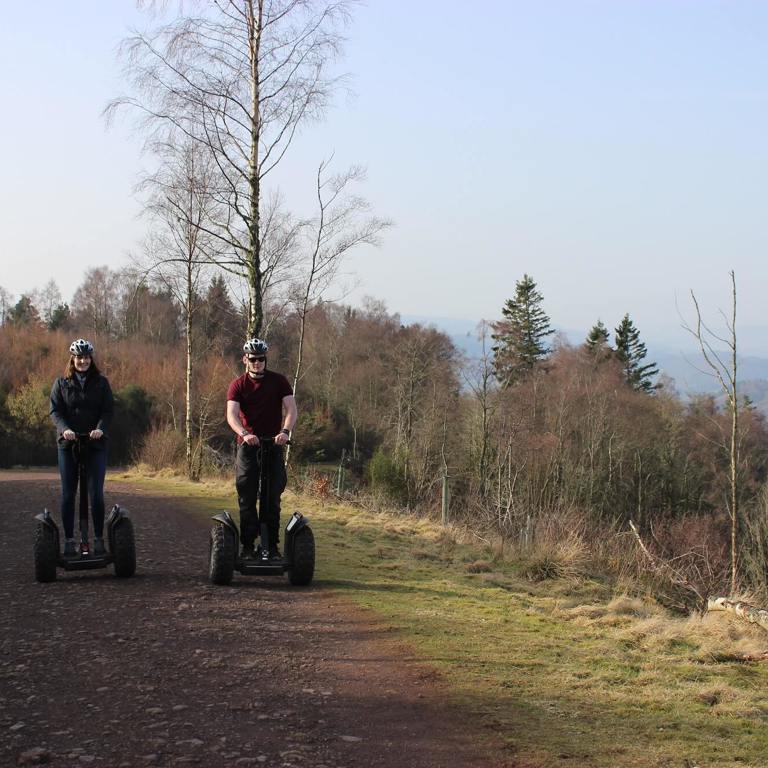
(250, 439)
(94, 434)
(281, 438)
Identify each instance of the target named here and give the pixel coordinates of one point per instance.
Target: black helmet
(81, 347)
(255, 347)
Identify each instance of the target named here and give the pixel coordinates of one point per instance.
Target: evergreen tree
(521, 336)
(219, 321)
(597, 340)
(24, 312)
(59, 317)
(631, 352)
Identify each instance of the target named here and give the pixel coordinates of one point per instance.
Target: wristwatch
(286, 431)
(243, 432)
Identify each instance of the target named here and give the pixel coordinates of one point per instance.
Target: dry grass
(552, 559)
(421, 553)
(479, 566)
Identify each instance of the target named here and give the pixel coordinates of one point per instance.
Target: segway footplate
(257, 568)
(91, 562)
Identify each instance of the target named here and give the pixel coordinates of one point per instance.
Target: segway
(298, 560)
(119, 536)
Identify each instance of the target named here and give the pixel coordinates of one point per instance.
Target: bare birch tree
(725, 372)
(480, 378)
(239, 80)
(6, 302)
(182, 205)
(342, 223)
(48, 300)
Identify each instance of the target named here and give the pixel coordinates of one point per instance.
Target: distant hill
(757, 391)
(692, 375)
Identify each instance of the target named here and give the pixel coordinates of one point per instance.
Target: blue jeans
(97, 469)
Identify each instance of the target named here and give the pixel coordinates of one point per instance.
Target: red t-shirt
(261, 402)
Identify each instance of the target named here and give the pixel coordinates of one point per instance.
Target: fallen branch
(744, 611)
(663, 568)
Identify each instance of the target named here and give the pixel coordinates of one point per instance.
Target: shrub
(754, 552)
(559, 549)
(315, 483)
(387, 477)
(162, 447)
(133, 408)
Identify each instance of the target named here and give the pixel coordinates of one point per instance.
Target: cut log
(743, 610)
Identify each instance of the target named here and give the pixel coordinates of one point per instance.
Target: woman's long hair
(69, 371)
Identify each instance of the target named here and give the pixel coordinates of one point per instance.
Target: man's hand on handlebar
(96, 434)
(68, 434)
(250, 439)
(281, 438)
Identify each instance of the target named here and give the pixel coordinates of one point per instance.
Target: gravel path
(165, 669)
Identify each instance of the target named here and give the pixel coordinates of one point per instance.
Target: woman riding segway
(81, 403)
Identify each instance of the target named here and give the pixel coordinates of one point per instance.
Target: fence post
(445, 499)
(340, 479)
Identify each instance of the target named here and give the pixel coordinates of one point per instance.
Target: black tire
(222, 555)
(46, 553)
(303, 564)
(124, 548)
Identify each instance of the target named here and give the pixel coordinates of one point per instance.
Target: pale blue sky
(617, 151)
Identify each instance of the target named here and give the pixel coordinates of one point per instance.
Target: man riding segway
(261, 411)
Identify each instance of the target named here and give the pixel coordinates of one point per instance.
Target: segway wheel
(124, 548)
(303, 565)
(46, 553)
(222, 555)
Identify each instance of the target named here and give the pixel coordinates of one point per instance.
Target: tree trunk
(188, 375)
(256, 311)
(734, 457)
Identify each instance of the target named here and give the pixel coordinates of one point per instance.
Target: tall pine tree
(631, 352)
(219, 321)
(597, 340)
(521, 336)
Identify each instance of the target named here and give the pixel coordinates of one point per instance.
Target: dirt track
(165, 669)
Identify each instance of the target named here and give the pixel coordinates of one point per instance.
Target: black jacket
(82, 409)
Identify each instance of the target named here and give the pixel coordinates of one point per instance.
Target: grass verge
(567, 673)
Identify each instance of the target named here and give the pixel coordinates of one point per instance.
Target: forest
(546, 449)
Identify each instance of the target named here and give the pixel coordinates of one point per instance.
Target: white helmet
(255, 347)
(81, 347)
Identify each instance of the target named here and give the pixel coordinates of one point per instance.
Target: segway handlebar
(81, 435)
(270, 440)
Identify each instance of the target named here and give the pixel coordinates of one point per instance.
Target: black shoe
(98, 547)
(70, 548)
(274, 553)
(247, 552)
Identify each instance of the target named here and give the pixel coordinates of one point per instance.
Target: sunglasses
(257, 359)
